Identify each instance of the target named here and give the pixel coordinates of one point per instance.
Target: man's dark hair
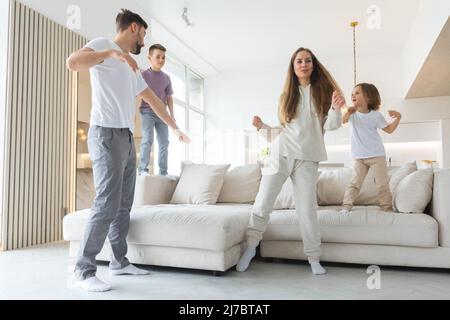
(125, 18)
(156, 46)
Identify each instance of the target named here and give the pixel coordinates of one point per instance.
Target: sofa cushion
(364, 225)
(199, 183)
(285, 199)
(209, 227)
(241, 184)
(414, 192)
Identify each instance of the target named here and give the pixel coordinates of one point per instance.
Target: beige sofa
(211, 236)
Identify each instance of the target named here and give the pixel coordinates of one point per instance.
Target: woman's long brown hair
(322, 87)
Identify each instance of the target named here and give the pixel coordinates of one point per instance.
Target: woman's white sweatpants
(304, 175)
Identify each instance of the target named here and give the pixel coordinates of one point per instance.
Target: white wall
(4, 20)
(431, 18)
(233, 98)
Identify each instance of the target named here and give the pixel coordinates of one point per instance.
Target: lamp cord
(354, 55)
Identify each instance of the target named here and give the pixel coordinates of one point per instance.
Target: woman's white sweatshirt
(302, 138)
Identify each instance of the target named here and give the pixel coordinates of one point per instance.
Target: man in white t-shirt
(116, 81)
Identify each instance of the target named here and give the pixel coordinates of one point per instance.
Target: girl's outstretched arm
(393, 126)
(346, 117)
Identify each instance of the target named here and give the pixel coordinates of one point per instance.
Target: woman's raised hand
(257, 122)
(338, 100)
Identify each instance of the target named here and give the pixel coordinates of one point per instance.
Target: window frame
(187, 105)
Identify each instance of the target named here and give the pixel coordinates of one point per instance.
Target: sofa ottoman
(204, 237)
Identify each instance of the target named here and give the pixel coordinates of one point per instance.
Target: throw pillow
(241, 184)
(398, 174)
(199, 184)
(414, 192)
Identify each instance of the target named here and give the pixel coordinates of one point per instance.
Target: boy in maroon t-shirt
(160, 83)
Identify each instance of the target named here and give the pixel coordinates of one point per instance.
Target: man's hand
(116, 54)
(181, 136)
(338, 100)
(257, 122)
(394, 114)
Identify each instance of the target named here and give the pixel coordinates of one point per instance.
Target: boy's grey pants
(114, 168)
(304, 175)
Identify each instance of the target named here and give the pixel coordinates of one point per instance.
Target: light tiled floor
(43, 273)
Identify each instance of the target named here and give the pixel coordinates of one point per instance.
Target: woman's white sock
(245, 259)
(316, 268)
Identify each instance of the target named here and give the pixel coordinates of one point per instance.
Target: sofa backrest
(331, 186)
(333, 182)
(153, 190)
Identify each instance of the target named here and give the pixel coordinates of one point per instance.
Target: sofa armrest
(152, 190)
(440, 205)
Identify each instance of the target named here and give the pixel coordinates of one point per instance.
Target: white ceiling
(235, 34)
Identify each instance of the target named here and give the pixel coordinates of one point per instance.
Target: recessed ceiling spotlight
(185, 17)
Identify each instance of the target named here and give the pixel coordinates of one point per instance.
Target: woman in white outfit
(309, 105)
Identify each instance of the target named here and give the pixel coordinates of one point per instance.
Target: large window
(195, 85)
(177, 73)
(196, 134)
(189, 114)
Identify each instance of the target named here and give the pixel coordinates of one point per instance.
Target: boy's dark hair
(125, 18)
(371, 94)
(154, 47)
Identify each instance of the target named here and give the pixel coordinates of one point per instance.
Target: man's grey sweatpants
(114, 168)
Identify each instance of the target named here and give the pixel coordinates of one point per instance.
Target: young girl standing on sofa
(311, 102)
(366, 144)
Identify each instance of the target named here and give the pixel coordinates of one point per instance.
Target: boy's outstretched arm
(160, 109)
(393, 126)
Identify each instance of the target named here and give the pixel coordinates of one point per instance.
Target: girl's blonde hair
(322, 87)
